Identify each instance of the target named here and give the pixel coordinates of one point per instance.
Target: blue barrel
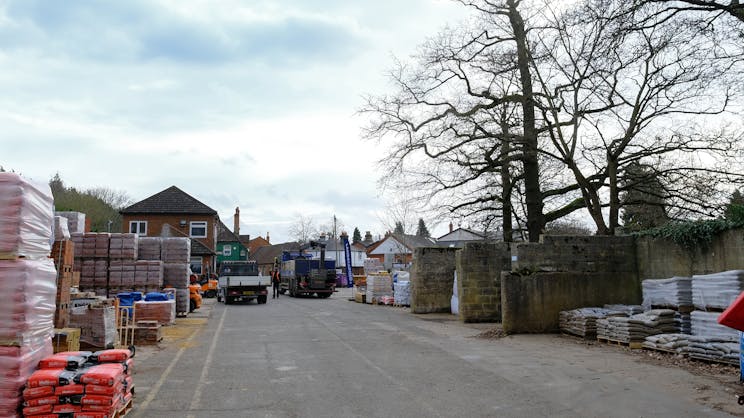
(741, 357)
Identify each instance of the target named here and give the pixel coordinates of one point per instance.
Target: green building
(229, 247)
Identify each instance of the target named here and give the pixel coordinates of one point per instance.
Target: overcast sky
(238, 103)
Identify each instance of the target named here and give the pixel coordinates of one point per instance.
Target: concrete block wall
(479, 267)
(566, 272)
(432, 279)
(532, 301)
(660, 258)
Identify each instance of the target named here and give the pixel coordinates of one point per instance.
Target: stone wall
(432, 279)
(659, 258)
(479, 267)
(563, 272)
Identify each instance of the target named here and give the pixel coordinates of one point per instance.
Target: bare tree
(303, 229)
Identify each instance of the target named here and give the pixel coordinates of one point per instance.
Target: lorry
(301, 275)
(240, 281)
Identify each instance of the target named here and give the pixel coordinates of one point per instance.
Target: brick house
(396, 250)
(173, 212)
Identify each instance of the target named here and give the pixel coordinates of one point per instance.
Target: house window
(138, 227)
(227, 250)
(198, 230)
(196, 265)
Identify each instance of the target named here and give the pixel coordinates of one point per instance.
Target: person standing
(275, 279)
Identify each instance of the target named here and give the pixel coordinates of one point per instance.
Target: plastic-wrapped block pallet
(176, 275)
(123, 246)
(27, 311)
(717, 291)
(75, 221)
(378, 285)
(672, 292)
(176, 250)
(26, 217)
(61, 230)
(149, 248)
(17, 363)
(162, 311)
(97, 323)
(402, 293)
(182, 301)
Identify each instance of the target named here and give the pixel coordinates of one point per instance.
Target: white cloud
(248, 104)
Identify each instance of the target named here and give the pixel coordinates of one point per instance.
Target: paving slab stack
(582, 322)
(28, 281)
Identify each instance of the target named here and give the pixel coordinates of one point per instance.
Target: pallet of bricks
(379, 288)
(28, 281)
(80, 383)
(63, 253)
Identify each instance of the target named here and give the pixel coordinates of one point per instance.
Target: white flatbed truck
(240, 281)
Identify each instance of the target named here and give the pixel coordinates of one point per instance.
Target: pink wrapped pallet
(176, 250)
(27, 312)
(17, 364)
(75, 221)
(149, 248)
(26, 217)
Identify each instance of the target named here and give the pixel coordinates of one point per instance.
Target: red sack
(92, 414)
(733, 316)
(66, 408)
(104, 390)
(112, 356)
(69, 390)
(63, 361)
(102, 374)
(36, 410)
(50, 377)
(38, 392)
(98, 400)
(47, 400)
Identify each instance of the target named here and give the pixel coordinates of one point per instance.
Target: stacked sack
(28, 280)
(94, 385)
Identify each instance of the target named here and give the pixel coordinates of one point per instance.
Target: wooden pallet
(589, 337)
(633, 345)
(123, 411)
(709, 360)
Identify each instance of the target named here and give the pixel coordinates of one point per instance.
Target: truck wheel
(282, 291)
(192, 305)
(210, 293)
(228, 300)
(262, 299)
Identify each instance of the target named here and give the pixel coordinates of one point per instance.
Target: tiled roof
(198, 248)
(224, 234)
(170, 201)
(266, 254)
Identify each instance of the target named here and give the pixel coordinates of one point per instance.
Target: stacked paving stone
(637, 327)
(149, 248)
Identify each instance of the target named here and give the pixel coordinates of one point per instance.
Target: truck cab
(240, 281)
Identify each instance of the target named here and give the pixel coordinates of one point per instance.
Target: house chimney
(450, 226)
(267, 237)
(236, 222)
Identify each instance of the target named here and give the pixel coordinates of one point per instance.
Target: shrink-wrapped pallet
(97, 324)
(673, 292)
(378, 285)
(176, 275)
(29, 288)
(149, 248)
(183, 299)
(123, 246)
(402, 293)
(75, 221)
(176, 250)
(17, 363)
(61, 231)
(718, 290)
(162, 311)
(26, 217)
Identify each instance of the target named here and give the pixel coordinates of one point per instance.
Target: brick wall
(432, 279)
(479, 267)
(155, 225)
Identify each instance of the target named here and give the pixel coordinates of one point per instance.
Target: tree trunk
(506, 190)
(533, 195)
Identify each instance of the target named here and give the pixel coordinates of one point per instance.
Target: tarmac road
(309, 357)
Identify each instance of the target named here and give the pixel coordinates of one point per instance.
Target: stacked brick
(63, 252)
(138, 276)
(97, 323)
(28, 283)
(175, 255)
(81, 384)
